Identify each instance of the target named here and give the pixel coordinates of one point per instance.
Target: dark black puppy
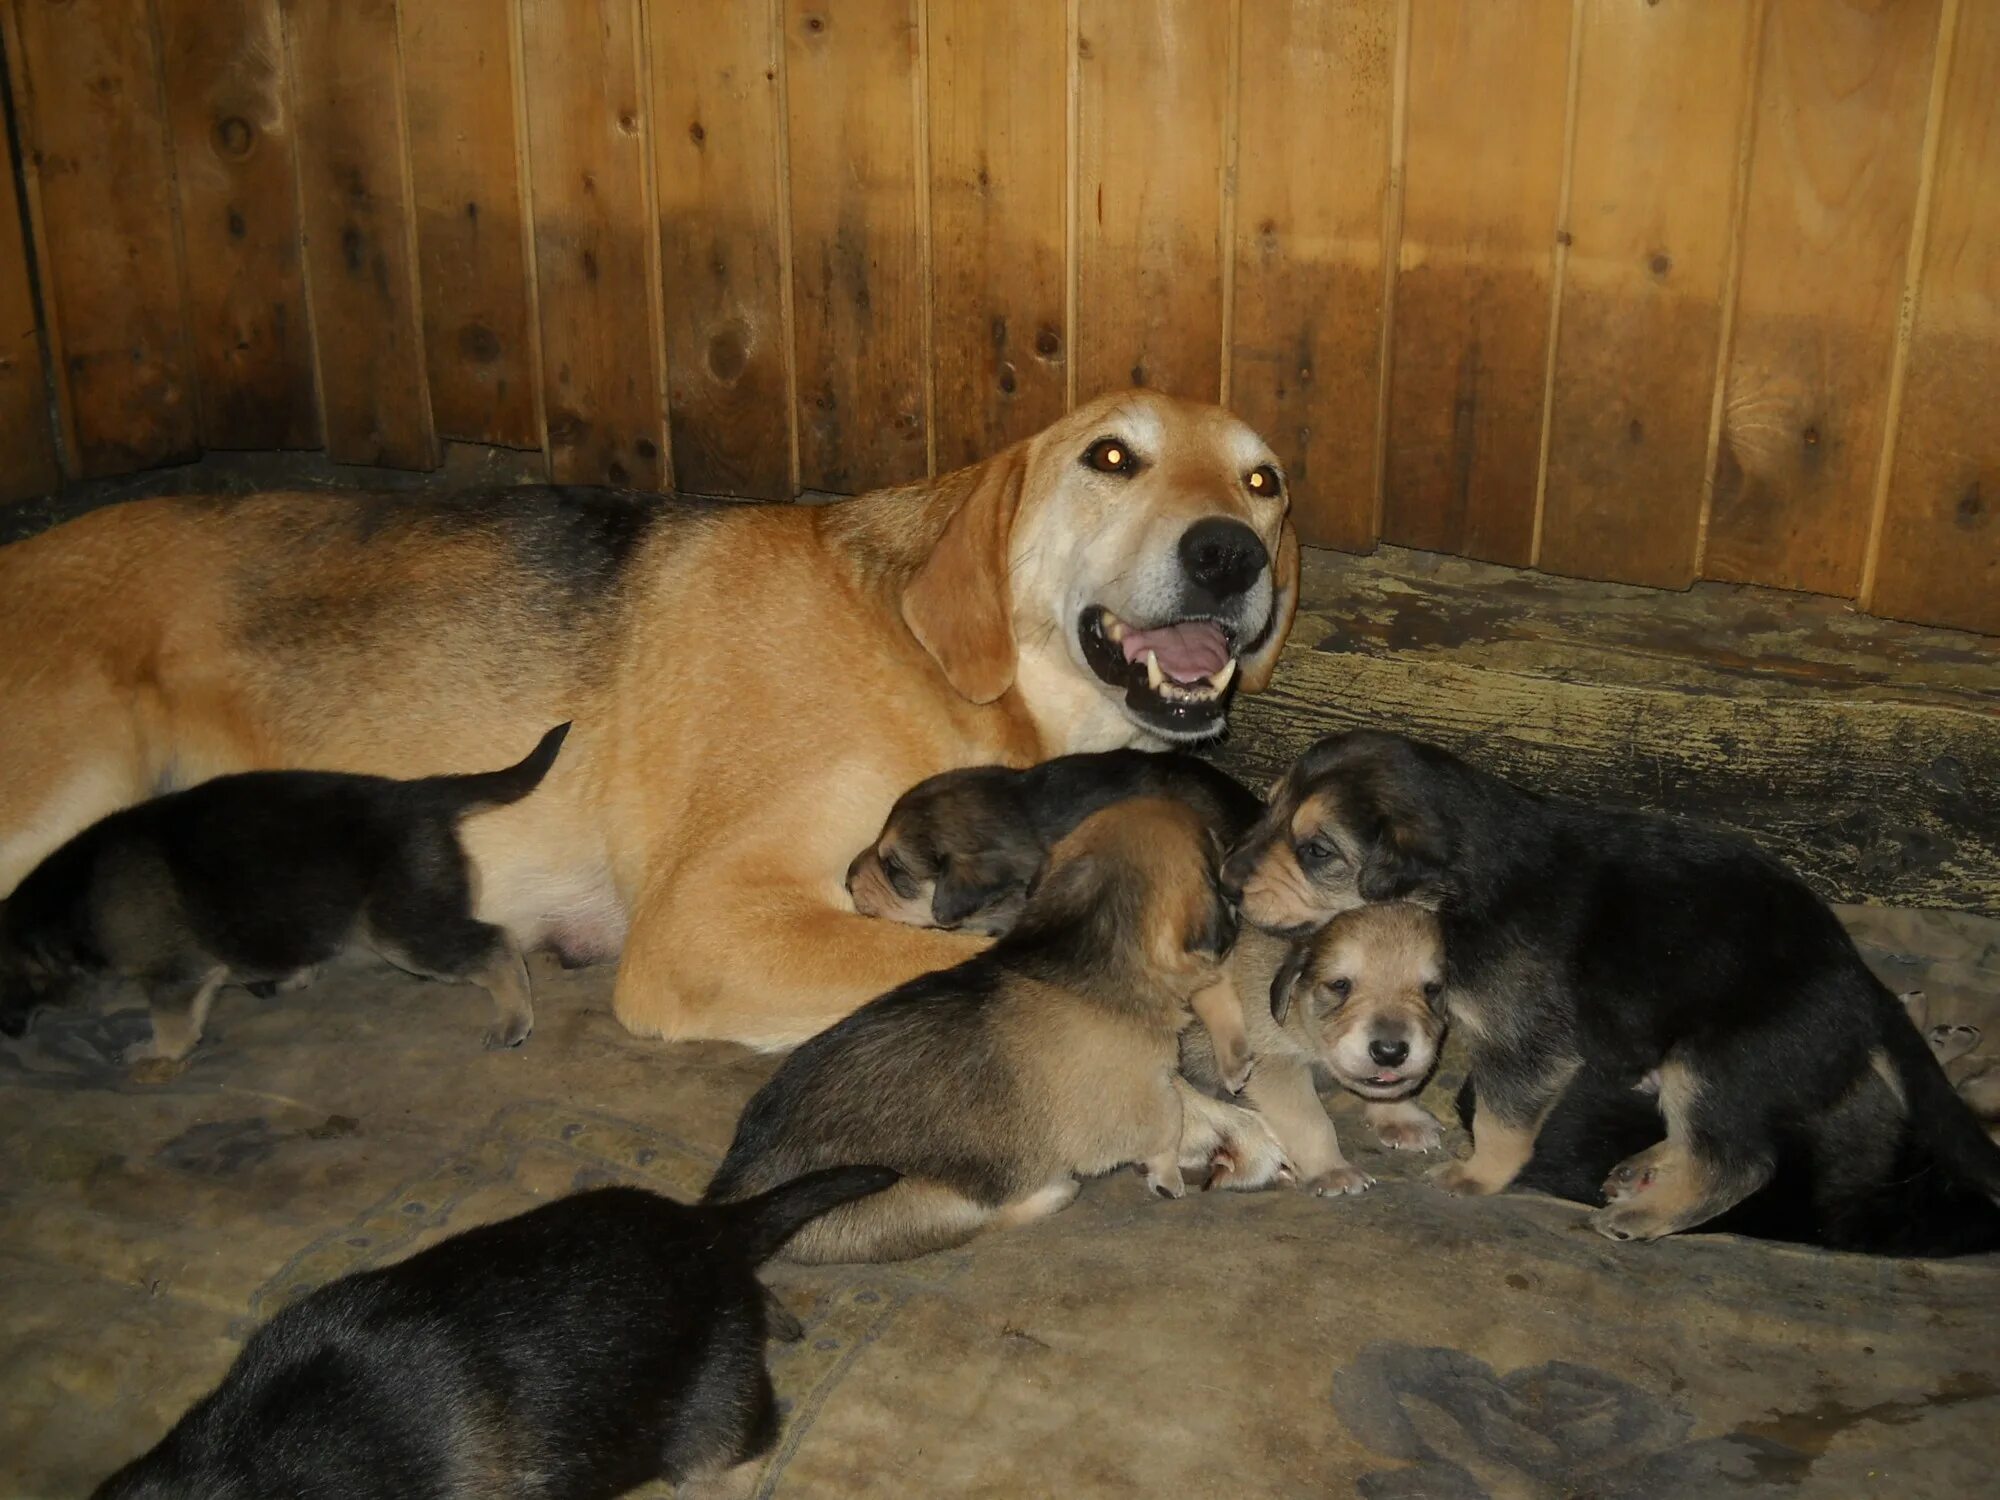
(600, 1342)
(256, 879)
(960, 849)
(1627, 955)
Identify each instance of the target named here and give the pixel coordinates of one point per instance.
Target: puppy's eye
(1264, 481)
(1110, 456)
(900, 879)
(1341, 987)
(1317, 850)
(1433, 988)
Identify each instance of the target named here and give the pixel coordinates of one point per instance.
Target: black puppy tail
(1938, 1117)
(769, 1219)
(484, 789)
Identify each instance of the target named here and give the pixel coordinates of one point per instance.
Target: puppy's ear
(978, 886)
(1407, 847)
(1261, 663)
(1286, 980)
(958, 605)
(1214, 931)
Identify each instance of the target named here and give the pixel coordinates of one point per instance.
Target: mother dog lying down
(752, 686)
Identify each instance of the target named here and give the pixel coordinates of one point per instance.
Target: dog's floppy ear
(1407, 851)
(1286, 980)
(966, 887)
(1261, 663)
(958, 604)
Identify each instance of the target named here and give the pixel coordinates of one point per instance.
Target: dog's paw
(140, 1052)
(1340, 1181)
(1237, 1070)
(1458, 1179)
(1418, 1131)
(1949, 1041)
(505, 1034)
(1627, 1220)
(1165, 1181)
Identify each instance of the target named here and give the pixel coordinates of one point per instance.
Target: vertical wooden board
(354, 189)
(1483, 162)
(1939, 558)
(1305, 370)
(224, 63)
(28, 452)
(857, 251)
(715, 152)
(465, 179)
(1840, 102)
(87, 90)
(1153, 78)
(998, 102)
(593, 254)
(1659, 113)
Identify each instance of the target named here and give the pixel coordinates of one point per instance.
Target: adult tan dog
(752, 686)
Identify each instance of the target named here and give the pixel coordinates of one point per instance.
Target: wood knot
(696, 133)
(1007, 381)
(234, 137)
(1660, 264)
(1048, 343)
(478, 343)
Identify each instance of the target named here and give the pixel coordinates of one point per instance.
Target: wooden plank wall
(1639, 290)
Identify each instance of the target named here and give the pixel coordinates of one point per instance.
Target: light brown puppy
(1360, 1002)
(993, 1086)
(752, 685)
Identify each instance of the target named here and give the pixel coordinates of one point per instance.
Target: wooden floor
(1863, 751)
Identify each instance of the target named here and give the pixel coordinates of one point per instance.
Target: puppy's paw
(1629, 1221)
(1340, 1181)
(1236, 1069)
(508, 1033)
(1411, 1129)
(1458, 1179)
(139, 1052)
(1164, 1180)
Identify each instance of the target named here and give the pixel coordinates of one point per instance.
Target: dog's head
(1140, 548)
(1135, 891)
(1354, 820)
(1367, 991)
(956, 852)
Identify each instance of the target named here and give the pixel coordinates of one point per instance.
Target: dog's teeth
(1154, 676)
(1114, 627)
(1221, 679)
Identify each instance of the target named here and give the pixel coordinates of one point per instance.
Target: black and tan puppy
(256, 879)
(961, 849)
(600, 1342)
(1361, 1002)
(1603, 949)
(994, 1085)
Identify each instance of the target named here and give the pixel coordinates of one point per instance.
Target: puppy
(257, 878)
(1359, 1002)
(600, 1342)
(1603, 946)
(961, 849)
(993, 1085)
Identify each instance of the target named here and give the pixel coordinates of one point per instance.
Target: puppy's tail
(484, 789)
(1938, 1116)
(768, 1220)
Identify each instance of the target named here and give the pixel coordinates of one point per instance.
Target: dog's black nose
(1388, 1054)
(1222, 556)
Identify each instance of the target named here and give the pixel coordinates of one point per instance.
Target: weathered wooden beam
(1865, 758)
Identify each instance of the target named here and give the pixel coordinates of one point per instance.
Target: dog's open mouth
(1385, 1084)
(1176, 676)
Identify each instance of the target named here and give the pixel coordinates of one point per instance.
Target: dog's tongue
(1187, 652)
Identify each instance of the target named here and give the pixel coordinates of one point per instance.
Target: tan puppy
(1359, 1001)
(992, 1087)
(753, 685)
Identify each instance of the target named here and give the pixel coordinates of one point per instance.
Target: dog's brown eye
(1264, 480)
(1110, 456)
(1433, 988)
(1341, 987)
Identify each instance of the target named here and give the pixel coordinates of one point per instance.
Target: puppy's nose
(854, 868)
(1388, 1054)
(1223, 556)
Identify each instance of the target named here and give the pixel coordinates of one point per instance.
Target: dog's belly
(576, 911)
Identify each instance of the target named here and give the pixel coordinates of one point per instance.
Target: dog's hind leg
(1507, 1116)
(1715, 1155)
(422, 923)
(912, 1218)
(180, 1011)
